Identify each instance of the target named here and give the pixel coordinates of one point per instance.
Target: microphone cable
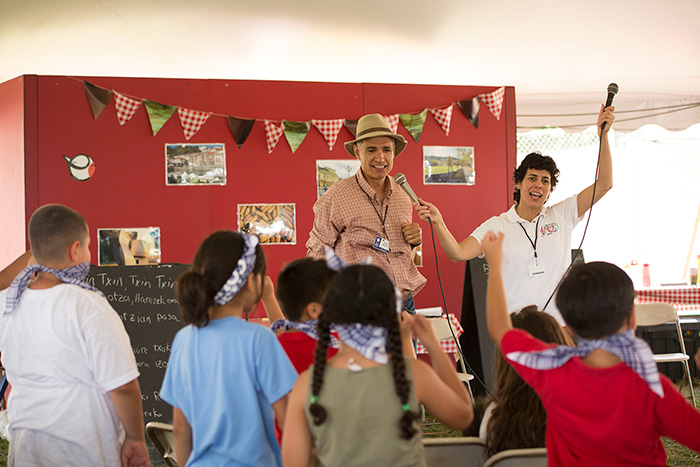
(465, 363)
(585, 229)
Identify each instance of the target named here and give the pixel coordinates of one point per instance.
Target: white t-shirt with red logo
(530, 280)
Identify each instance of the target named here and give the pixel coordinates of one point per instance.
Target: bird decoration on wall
(80, 166)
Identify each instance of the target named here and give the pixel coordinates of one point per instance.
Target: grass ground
(678, 455)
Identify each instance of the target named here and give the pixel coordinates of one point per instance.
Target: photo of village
(195, 164)
(329, 172)
(448, 165)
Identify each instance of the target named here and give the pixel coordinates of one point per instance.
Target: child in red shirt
(606, 402)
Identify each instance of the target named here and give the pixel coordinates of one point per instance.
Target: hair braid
(403, 388)
(318, 412)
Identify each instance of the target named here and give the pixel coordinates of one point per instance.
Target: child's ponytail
(318, 412)
(195, 298)
(403, 389)
(211, 268)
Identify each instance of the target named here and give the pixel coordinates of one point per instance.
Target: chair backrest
(454, 452)
(161, 435)
(654, 314)
(533, 457)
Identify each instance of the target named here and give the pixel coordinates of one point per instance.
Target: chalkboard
(144, 298)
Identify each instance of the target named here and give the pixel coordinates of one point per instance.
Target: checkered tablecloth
(448, 345)
(686, 300)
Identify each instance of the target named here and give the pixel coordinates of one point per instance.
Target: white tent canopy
(560, 56)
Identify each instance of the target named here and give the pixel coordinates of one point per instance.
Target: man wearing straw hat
(369, 214)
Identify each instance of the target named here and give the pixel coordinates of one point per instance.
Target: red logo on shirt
(549, 229)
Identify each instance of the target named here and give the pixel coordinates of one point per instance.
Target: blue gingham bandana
(74, 275)
(626, 346)
(240, 273)
(369, 341)
(310, 328)
(336, 263)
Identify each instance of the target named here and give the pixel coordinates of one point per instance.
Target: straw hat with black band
(371, 126)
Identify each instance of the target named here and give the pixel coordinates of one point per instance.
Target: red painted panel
(12, 227)
(128, 188)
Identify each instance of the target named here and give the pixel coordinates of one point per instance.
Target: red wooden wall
(128, 188)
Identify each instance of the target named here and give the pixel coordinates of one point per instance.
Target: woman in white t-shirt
(538, 238)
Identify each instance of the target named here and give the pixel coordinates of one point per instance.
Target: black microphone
(612, 90)
(401, 180)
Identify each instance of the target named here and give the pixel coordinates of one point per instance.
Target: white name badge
(381, 244)
(535, 270)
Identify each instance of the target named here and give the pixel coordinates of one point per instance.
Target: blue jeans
(409, 305)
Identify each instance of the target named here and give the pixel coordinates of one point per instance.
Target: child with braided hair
(226, 379)
(361, 406)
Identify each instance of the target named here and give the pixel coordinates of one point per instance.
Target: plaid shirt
(345, 219)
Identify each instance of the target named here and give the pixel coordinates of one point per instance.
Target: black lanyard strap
(537, 227)
(386, 211)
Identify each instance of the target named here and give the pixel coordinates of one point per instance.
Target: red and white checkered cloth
(443, 117)
(683, 299)
(393, 121)
(494, 101)
(448, 345)
(192, 120)
(273, 134)
(329, 129)
(126, 107)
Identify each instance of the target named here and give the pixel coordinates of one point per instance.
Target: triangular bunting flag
(351, 125)
(295, 132)
(98, 98)
(158, 114)
(470, 108)
(393, 121)
(192, 120)
(126, 107)
(272, 134)
(414, 123)
(443, 117)
(329, 129)
(240, 129)
(494, 101)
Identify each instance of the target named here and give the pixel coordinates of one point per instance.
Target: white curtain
(650, 213)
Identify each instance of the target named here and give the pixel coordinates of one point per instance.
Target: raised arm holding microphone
(537, 249)
(369, 214)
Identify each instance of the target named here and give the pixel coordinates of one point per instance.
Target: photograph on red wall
(273, 223)
(329, 172)
(128, 247)
(195, 164)
(447, 165)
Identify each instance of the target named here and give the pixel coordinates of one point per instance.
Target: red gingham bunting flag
(191, 120)
(273, 134)
(329, 129)
(443, 117)
(126, 107)
(494, 101)
(393, 121)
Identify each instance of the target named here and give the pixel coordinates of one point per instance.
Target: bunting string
(295, 132)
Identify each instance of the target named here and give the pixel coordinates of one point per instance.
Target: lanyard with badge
(536, 269)
(380, 243)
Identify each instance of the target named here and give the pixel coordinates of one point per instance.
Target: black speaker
(476, 344)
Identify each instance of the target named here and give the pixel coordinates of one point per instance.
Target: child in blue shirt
(227, 379)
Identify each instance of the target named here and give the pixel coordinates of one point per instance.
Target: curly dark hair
(534, 161)
(518, 420)
(362, 294)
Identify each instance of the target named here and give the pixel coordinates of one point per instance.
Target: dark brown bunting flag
(98, 98)
(470, 108)
(240, 129)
